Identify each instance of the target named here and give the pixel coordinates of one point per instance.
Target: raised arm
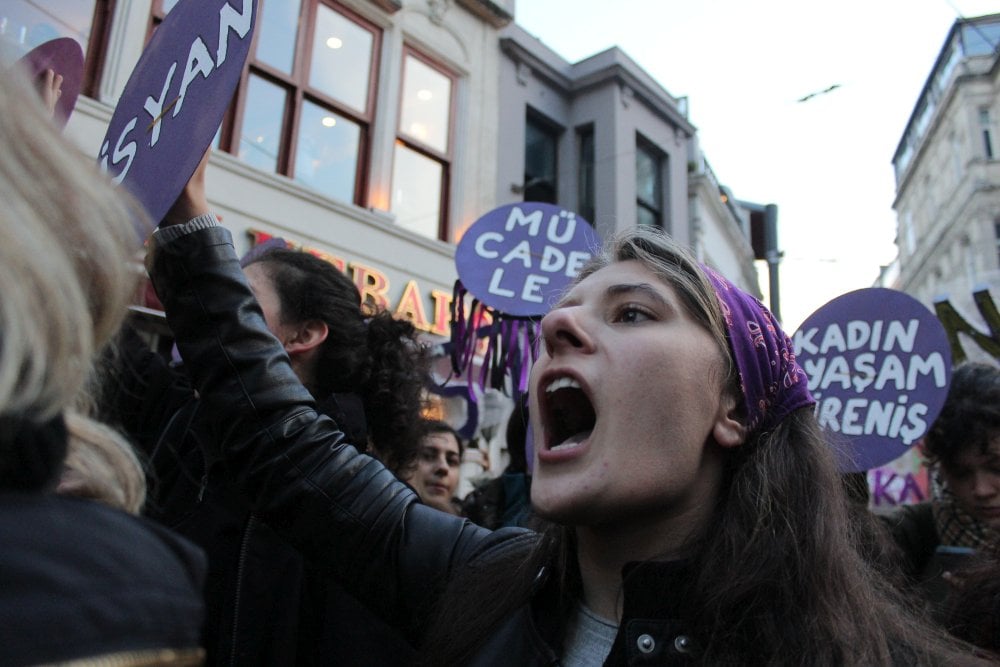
(342, 509)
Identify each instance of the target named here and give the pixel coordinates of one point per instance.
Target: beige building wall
(948, 185)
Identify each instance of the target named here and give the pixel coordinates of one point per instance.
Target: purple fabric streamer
(510, 345)
(772, 382)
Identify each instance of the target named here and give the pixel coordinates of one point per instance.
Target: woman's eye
(632, 315)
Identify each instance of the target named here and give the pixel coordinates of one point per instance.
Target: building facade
(603, 138)
(947, 168)
(375, 132)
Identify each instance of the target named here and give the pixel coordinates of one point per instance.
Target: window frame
(446, 158)
(555, 133)
(986, 131)
(996, 237)
(298, 92)
(659, 159)
(587, 172)
(97, 46)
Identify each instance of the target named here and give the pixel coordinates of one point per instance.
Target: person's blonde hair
(66, 236)
(101, 465)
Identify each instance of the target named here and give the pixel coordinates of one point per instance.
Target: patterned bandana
(772, 383)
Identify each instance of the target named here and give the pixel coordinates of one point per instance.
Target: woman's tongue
(572, 441)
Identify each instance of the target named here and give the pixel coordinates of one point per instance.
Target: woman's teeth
(562, 383)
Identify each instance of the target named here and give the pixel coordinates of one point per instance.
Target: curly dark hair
(373, 355)
(970, 416)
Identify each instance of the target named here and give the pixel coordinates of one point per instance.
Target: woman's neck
(603, 552)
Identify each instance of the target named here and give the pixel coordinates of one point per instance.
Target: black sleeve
(342, 509)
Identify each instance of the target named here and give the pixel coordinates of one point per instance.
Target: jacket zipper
(244, 546)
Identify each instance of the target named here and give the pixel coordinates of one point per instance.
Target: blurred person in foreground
(78, 580)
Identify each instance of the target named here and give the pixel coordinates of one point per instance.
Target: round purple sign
(518, 258)
(879, 366)
(64, 56)
(175, 99)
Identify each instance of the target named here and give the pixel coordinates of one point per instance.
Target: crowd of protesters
(279, 497)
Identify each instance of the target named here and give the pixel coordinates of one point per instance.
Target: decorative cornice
(488, 11)
(614, 67)
(388, 6)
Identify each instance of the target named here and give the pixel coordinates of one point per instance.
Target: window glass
(326, 157)
(587, 174)
(277, 30)
(986, 124)
(426, 104)
(646, 176)
(260, 138)
(305, 107)
(341, 59)
(540, 143)
(416, 191)
(996, 232)
(648, 185)
(25, 24)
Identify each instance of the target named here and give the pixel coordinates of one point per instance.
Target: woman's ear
(728, 429)
(307, 337)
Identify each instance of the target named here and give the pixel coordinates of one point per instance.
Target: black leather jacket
(342, 509)
(265, 604)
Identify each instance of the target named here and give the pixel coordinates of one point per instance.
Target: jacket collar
(656, 627)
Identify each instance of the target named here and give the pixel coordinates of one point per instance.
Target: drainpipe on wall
(773, 258)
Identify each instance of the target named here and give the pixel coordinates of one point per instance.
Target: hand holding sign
(56, 67)
(193, 200)
(879, 366)
(175, 99)
(50, 87)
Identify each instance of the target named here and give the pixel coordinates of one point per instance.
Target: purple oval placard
(879, 366)
(175, 99)
(518, 258)
(64, 56)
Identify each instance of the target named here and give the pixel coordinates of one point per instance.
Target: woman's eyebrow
(619, 289)
(632, 288)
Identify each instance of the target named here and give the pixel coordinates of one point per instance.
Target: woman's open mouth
(568, 415)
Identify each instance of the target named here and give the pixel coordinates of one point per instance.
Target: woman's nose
(563, 330)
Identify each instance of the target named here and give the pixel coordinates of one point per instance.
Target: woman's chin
(560, 509)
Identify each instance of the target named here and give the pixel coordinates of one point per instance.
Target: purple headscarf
(773, 384)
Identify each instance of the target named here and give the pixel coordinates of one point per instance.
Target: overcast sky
(743, 64)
